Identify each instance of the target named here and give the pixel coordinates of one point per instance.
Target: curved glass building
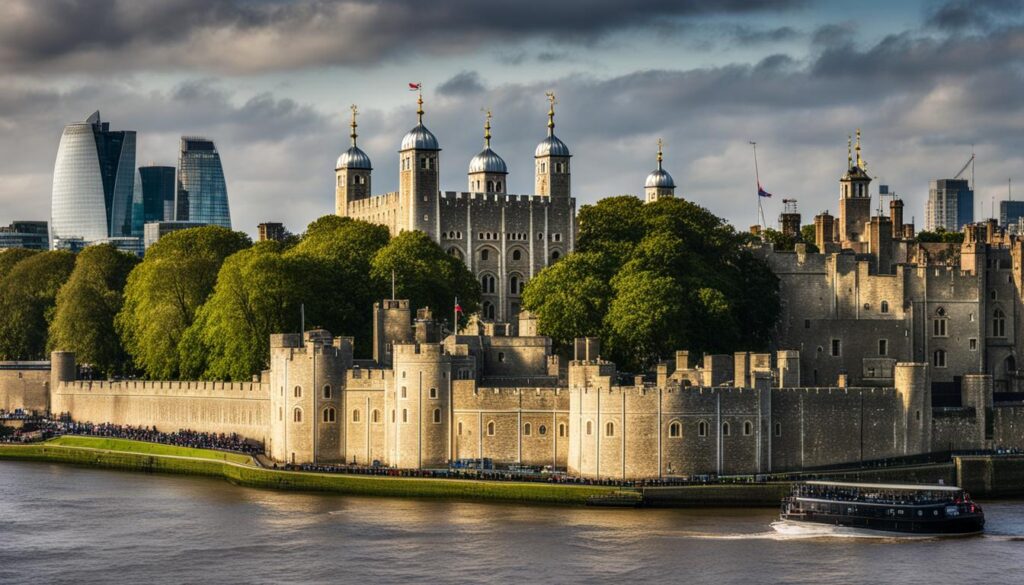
(93, 182)
(202, 194)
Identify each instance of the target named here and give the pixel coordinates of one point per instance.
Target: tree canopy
(28, 294)
(86, 306)
(652, 278)
(164, 293)
(940, 235)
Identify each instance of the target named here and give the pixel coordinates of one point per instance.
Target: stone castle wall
(25, 385)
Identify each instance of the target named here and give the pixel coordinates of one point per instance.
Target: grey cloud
(463, 83)
(749, 36)
(958, 15)
(247, 35)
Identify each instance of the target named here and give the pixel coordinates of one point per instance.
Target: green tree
(86, 306)
(165, 291)
(27, 297)
(10, 257)
(341, 290)
(780, 242)
(940, 235)
(570, 298)
(426, 275)
(258, 293)
(644, 318)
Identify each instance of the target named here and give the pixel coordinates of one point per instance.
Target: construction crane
(969, 163)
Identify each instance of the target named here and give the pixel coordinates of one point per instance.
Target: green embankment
(248, 475)
(148, 448)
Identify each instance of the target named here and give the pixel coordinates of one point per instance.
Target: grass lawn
(143, 447)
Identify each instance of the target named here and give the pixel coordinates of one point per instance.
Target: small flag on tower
(761, 192)
(415, 86)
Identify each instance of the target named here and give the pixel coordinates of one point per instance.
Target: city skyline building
(201, 192)
(93, 182)
(154, 196)
(32, 235)
(950, 205)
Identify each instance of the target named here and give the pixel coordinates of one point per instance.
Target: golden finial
(419, 102)
(849, 151)
(551, 112)
(860, 161)
(659, 153)
(355, 110)
(487, 130)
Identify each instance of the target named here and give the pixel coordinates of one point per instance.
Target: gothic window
(297, 415)
(490, 428)
(748, 428)
(702, 429)
(939, 358)
(437, 415)
(327, 391)
(542, 430)
(517, 255)
(998, 323)
(514, 287)
(885, 306)
(725, 429)
(375, 416)
(488, 310)
(329, 414)
(355, 415)
(609, 429)
(527, 429)
(675, 429)
(298, 391)
(487, 284)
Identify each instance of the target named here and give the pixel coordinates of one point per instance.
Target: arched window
(501, 356)
(778, 429)
(555, 255)
(609, 429)
(297, 415)
(725, 429)
(542, 430)
(590, 427)
(280, 413)
(499, 186)
(375, 416)
(527, 429)
(490, 186)
(405, 415)
(329, 414)
(561, 429)
(702, 429)
(484, 254)
(513, 285)
(748, 428)
(939, 358)
(327, 391)
(675, 429)
(490, 428)
(998, 323)
(460, 427)
(517, 254)
(885, 306)
(298, 391)
(455, 252)
(437, 415)
(488, 310)
(355, 415)
(433, 392)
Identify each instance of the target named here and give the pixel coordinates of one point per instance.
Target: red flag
(458, 308)
(415, 86)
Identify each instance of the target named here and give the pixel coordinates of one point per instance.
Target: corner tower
(659, 183)
(854, 198)
(487, 170)
(418, 176)
(552, 161)
(352, 173)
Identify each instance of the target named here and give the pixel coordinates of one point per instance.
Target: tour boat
(827, 507)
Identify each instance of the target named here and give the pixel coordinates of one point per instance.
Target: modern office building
(154, 196)
(950, 205)
(33, 235)
(202, 194)
(272, 231)
(93, 182)
(155, 230)
(1010, 213)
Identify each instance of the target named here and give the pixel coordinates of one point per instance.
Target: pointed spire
(419, 103)
(849, 151)
(551, 112)
(860, 161)
(659, 153)
(353, 135)
(487, 130)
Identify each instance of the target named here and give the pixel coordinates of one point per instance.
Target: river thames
(62, 524)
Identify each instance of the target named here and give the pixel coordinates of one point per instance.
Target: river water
(61, 524)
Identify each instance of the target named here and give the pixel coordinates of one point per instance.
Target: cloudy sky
(271, 82)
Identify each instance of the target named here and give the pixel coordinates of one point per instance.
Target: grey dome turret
(487, 161)
(354, 157)
(551, 145)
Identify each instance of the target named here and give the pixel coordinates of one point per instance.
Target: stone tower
(352, 174)
(659, 183)
(552, 161)
(418, 177)
(487, 170)
(854, 198)
(422, 399)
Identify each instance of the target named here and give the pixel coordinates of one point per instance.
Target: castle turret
(62, 369)
(552, 161)
(854, 199)
(352, 174)
(418, 177)
(914, 389)
(896, 216)
(824, 231)
(392, 324)
(487, 170)
(659, 183)
(422, 406)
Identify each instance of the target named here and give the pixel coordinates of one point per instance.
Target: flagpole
(757, 179)
(455, 315)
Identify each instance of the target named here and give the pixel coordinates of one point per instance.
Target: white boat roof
(922, 487)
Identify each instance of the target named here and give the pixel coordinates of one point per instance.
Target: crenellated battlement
(420, 351)
(256, 390)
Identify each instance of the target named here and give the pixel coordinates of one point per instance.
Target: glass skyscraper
(950, 205)
(93, 182)
(202, 195)
(154, 196)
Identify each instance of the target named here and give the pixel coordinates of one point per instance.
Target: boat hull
(790, 527)
(960, 525)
